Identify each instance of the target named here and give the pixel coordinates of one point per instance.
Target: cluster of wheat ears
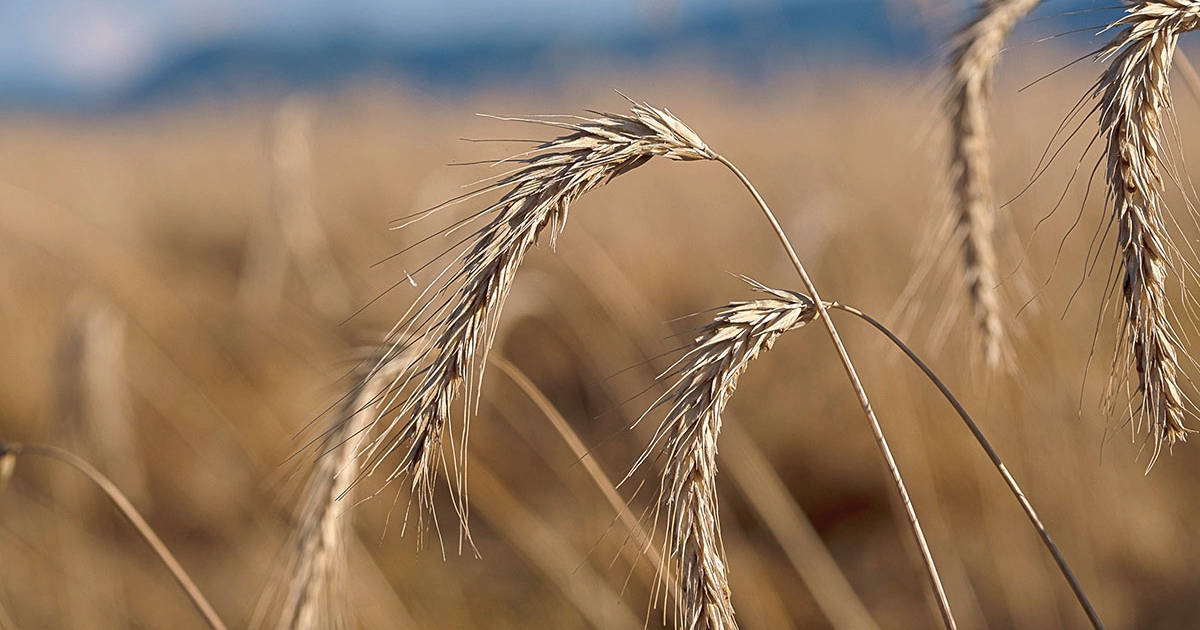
(407, 417)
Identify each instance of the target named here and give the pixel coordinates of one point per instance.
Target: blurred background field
(182, 273)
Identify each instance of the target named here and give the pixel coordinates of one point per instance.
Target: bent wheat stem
(582, 455)
(130, 513)
(992, 455)
(935, 581)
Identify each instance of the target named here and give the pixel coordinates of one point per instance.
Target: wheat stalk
(455, 320)
(585, 458)
(10, 451)
(705, 379)
(1134, 95)
(972, 66)
(1016, 491)
(935, 581)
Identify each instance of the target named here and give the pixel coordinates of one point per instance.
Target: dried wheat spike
(972, 66)
(1133, 97)
(314, 595)
(455, 319)
(705, 379)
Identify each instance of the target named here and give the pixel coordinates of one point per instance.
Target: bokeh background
(194, 197)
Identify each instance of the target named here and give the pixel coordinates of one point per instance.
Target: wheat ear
(972, 66)
(1133, 97)
(455, 320)
(316, 569)
(705, 379)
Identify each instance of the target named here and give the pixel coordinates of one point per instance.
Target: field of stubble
(165, 314)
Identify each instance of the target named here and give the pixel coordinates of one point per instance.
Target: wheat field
(180, 295)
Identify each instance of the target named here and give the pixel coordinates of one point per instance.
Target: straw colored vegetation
(452, 325)
(1134, 104)
(221, 384)
(686, 445)
(1133, 98)
(972, 71)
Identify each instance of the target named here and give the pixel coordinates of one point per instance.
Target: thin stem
(547, 550)
(991, 453)
(801, 543)
(915, 525)
(583, 456)
(131, 514)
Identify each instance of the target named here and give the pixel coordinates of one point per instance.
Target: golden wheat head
(972, 66)
(454, 322)
(314, 589)
(686, 440)
(1134, 96)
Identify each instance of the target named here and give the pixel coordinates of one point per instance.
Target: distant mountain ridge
(748, 44)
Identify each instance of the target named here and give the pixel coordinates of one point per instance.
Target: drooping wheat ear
(1133, 97)
(316, 569)
(972, 66)
(705, 379)
(455, 319)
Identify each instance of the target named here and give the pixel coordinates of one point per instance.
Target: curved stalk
(992, 455)
(131, 514)
(914, 524)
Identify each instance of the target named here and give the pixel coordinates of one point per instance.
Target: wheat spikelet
(972, 66)
(316, 570)
(706, 378)
(455, 320)
(1133, 97)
